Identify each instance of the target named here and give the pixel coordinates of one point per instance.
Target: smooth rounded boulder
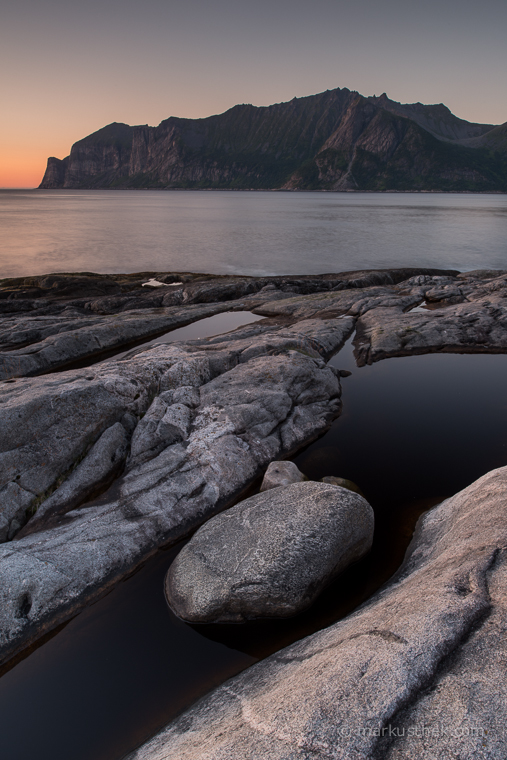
(281, 474)
(270, 555)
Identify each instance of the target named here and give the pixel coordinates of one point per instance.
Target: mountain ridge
(335, 140)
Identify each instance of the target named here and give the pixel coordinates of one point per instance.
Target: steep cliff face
(99, 159)
(336, 140)
(55, 173)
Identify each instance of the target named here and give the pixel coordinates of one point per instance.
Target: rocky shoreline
(417, 671)
(100, 466)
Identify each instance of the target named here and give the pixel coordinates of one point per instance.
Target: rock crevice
(336, 693)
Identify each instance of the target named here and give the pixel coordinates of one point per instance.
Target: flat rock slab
(53, 342)
(270, 555)
(57, 320)
(471, 318)
(419, 671)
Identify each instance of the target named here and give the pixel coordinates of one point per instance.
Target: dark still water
(413, 431)
(225, 232)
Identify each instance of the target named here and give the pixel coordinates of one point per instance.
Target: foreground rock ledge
(202, 420)
(270, 555)
(428, 650)
(61, 441)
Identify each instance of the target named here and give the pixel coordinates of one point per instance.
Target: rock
(281, 474)
(468, 327)
(220, 289)
(313, 337)
(479, 324)
(252, 396)
(14, 509)
(234, 425)
(188, 395)
(98, 469)
(270, 555)
(161, 426)
(419, 671)
(54, 344)
(191, 372)
(56, 320)
(46, 427)
(343, 482)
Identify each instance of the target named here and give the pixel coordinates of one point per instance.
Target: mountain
(336, 140)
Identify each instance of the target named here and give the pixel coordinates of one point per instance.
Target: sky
(69, 68)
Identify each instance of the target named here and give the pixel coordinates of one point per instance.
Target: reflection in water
(413, 431)
(202, 328)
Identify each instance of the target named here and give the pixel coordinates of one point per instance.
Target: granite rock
(15, 503)
(478, 326)
(418, 671)
(190, 462)
(252, 396)
(53, 343)
(100, 466)
(53, 321)
(270, 555)
(281, 474)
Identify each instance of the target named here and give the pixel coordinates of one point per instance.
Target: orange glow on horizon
(20, 177)
(21, 167)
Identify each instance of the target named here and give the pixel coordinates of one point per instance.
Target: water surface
(255, 233)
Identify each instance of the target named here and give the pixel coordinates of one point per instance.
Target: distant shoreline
(258, 190)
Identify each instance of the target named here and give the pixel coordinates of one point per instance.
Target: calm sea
(247, 232)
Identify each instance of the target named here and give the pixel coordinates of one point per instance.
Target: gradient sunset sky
(69, 67)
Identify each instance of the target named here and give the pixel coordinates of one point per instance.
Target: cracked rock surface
(52, 321)
(202, 420)
(472, 318)
(428, 650)
(180, 428)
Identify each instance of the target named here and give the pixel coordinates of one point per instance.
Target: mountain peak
(337, 139)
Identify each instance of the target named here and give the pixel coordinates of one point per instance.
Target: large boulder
(420, 671)
(270, 555)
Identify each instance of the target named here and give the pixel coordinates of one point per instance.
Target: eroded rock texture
(418, 671)
(179, 429)
(59, 321)
(472, 317)
(203, 420)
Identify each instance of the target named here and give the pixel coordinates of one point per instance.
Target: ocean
(254, 233)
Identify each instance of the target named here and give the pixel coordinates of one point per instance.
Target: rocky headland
(103, 463)
(336, 140)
